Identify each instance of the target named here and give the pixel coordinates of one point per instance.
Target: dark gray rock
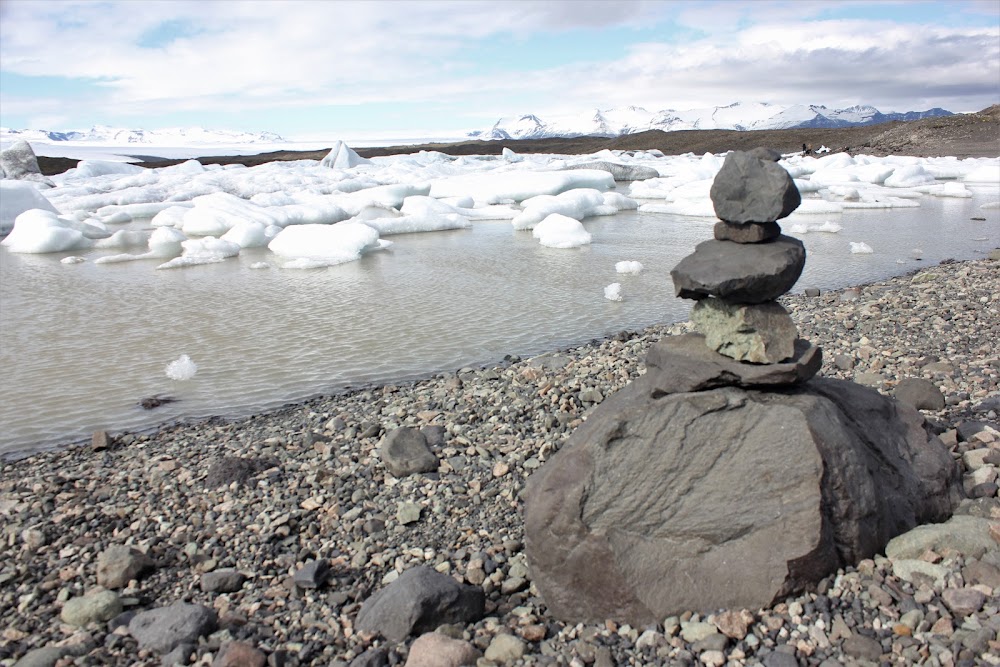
(227, 580)
(165, 628)
(766, 154)
(621, 172)
(180, 655)
(919, 393)
(969, 428)
(373, 657)
(419, 601)
(118, 564)
(233, 469)
(313, 574)
(726, 498)
(750, 232)
(812, 291)
(780, 659)
(760, 333)
(749, 189)
(404, 451)
(859, 646)
(684, 363)
(48, 656)
(740, 273)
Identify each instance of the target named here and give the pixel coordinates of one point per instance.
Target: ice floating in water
(16, 197)
(559, 231)
(38, 231)
(861, 248)
(989, 206)
(827, 226)
(628, 267)
(72, 260)
(181, 368)
(208, 250)
(323, 245)
(613, 292)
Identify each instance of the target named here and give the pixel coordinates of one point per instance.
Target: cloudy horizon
(305, 69)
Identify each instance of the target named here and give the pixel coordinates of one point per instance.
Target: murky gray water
(81, 344)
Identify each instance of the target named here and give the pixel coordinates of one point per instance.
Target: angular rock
(420, 600)
(437, 650)
(505, 649)
(227, 580)
(860, 646)
(749, 189)
(963, 601)
(750, 232)
(684, 363)
(921, 394)
(165, 628)
(740, 273)
(313, 574)
(761, 333)
(119, 564)
(911, 569)
(766, 154)
(726, 498)
(99, 606)
(373, 657)
(404, 451)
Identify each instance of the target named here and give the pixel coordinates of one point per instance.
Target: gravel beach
(285, 523)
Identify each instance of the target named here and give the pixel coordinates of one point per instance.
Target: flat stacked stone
(737, 277)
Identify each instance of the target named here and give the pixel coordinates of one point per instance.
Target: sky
(328, 69)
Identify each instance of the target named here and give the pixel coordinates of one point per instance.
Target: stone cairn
(728, 475)
(737, 277)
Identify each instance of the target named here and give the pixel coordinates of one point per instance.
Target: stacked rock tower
(737, 277)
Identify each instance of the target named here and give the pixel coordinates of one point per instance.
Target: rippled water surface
(81, 344)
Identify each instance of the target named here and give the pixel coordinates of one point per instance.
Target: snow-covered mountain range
(736, 116)
(114, 136)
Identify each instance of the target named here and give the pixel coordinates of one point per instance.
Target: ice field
(291, 279)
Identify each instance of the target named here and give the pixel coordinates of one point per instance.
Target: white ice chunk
(560, 231)
(92, 168)
(861, 248)
(342, 156)
(163, 243)
(578, 204)
(208, 250)
(72, 260)
(494, 188)
(909, 176)
(250, 234)
(952, 189)
(16, 197)
(988, 173)
(172, 216)
(217, 213)
(613, 292)
(827, 226)
(38, 231)
(418, 222)
(628, 267)
(181, 368)
(325, 244)
(990, 206)
(124, 238)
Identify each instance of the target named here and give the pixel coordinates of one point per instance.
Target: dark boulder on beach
(726, 498)
(751, 189)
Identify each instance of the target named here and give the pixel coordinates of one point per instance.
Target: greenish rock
(760, 333)
(968, 535)
(99, 606)
(907, 569)
(408, 513)
(505, 649)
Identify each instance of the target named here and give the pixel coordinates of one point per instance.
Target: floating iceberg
(560, 231)
(181, 368)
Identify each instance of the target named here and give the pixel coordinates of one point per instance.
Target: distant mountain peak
(735, 116)
(178, 136)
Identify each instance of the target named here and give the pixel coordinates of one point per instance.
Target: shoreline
(322, 492)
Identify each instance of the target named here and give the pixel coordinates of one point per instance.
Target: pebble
(247, 504)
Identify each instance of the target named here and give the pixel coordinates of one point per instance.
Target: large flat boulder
(740, 272)
(726, 498)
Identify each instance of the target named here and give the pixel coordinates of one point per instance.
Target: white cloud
(241, 56)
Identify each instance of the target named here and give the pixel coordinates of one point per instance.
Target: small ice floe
(72, 260)
(988, 206)
(917, 253)
(827, 226)
(900, 261)
(822, 149)
(613, 292)
(181, 368)
(861, 248)
(628, 267)
(260, 265)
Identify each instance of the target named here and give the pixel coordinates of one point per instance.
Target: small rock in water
(181, 368)
(155, 402)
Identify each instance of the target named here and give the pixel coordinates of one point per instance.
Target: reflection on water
(81, 344)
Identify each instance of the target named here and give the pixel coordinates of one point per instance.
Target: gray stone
(621, 172)
(921, 394)
(404, 451)
(750, 232)
(859, 646)
(47, 656)
(433, 649)
(119, 564)
(911, 569)
(684, 363)
(812, 291)
(780, 659)
(100, 441)
(760, 333)
(226, 580)
(764, 153)
(740, 273)
(313, 574)
(165, 628)
(99, 606)
(505, 649)
(373, 657)
(180, 655)
(963, 601)
(844, 362)
(968, 535)
(749, 189)
(726, 498)
(981, 572)
(419, 601)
